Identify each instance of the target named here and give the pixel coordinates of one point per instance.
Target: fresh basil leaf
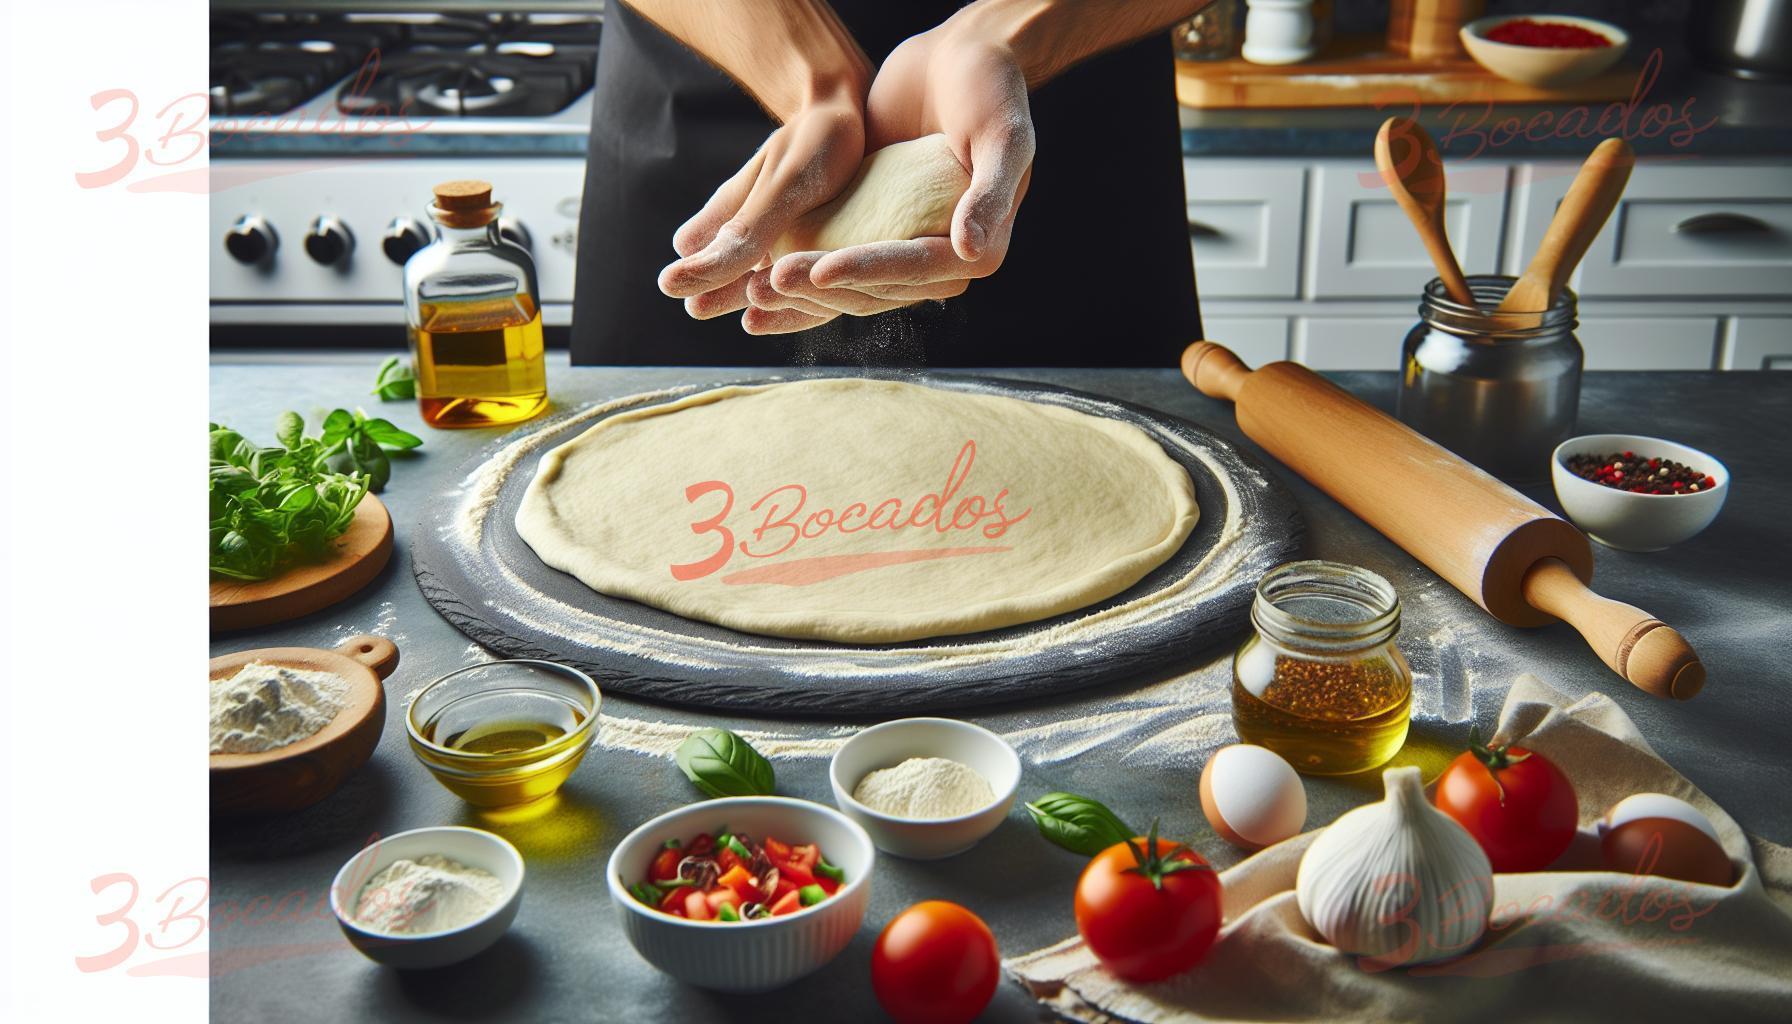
(383, 432)
(722, 764)
(289, 428)
(395, 380)
(337, 426)
(1077, 823)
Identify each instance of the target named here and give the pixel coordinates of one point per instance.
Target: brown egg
(1667, 847)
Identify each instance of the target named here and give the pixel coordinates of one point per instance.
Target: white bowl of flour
(429, 897)
(925, 788)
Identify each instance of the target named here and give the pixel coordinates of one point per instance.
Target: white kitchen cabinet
(1244, 221)
(1256, 340)
(1350, 343)
(1759, 343)
(1691, 229)
(1365, 247)
(1649, 343)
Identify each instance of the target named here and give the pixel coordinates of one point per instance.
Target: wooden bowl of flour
(301, 773)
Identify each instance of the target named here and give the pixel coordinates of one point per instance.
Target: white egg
(1657, 805)
(1252, 797)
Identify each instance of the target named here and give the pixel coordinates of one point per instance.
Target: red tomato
(1517, 805)
(935, 963)
(696, 905)
(789, 903)
(665, 865)
(1148, 909)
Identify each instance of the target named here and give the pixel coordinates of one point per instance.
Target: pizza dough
(859, 511)
(906, 190)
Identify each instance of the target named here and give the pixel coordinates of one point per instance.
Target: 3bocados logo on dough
(781, 519)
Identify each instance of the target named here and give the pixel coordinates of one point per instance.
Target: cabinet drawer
(1256, 340)
(1350, 343)
(1364, 246)
(1759, 343)
(1681, 230)
(1653, 343)
(1244, 222)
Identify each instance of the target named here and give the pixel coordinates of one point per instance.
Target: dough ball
(907, 190)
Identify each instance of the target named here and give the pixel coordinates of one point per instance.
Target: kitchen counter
(1139, 747)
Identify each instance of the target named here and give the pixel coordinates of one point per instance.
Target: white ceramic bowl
(745, 956)
(1636, 522)
(470, 846)
(890, 744)
(1541, 65)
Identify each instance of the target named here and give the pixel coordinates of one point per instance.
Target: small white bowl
(1629, 521)
(470, 846)
(745, 956)
(890, 744)
(1543, 66)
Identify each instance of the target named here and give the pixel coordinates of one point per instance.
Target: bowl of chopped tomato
(742, 894)
(1544, 50)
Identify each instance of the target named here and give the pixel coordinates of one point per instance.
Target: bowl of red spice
(1637, 493)
(1544, 50)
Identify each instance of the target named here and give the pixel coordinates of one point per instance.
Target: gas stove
(329, 129)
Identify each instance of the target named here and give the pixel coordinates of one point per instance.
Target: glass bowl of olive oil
(504, 732)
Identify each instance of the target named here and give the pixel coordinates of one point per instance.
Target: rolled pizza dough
(858, 511)
(905, 190)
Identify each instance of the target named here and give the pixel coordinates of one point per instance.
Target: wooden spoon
(1414, 172)
(300, 774)
(1584, 210)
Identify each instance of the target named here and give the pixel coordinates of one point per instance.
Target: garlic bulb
(1397, 881)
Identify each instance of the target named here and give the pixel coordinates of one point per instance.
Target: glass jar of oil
(505, 732)
(475, 322)
(1321, 682)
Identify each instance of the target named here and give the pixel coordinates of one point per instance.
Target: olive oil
(473, 315)
(503, 747)
(479, 362)
(1326, 717)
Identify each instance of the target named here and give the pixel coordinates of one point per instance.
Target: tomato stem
(1153, 865)
(1495, 758)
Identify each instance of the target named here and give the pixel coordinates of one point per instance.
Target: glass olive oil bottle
(475, 324)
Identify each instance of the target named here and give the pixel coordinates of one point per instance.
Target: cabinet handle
(1196, 229)
(1723, 224)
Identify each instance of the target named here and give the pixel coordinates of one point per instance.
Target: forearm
(1049, 36)
(783, 54)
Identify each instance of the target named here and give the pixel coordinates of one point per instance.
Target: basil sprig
(395, 380)
(1077, 823)
(722, 764)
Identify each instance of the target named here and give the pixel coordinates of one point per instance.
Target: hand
(956, 79)
(802, 164)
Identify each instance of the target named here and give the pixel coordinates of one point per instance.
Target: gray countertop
(277, 955)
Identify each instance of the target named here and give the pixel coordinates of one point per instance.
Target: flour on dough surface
(902, 191)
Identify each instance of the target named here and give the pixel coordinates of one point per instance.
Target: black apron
(1099, 272)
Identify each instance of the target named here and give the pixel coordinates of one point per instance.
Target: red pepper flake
(1549, 35)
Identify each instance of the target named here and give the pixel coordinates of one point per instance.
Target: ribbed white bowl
(745, 956)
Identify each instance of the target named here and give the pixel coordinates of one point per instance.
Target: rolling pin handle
(1214, 370)
(1638, 646)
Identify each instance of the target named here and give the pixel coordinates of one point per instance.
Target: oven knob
(329, 241)
(404, 236)
(511, 230)
(251, 240)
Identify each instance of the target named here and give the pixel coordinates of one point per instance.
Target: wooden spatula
(1414, 172)
(1584, 210)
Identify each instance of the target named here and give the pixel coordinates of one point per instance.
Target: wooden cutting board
(361, 552)
(300, 774)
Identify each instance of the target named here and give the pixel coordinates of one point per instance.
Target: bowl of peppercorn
(1637, 493)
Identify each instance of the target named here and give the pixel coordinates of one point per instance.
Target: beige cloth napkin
(1566, 944)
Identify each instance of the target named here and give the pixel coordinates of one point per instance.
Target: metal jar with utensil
(1501, 390)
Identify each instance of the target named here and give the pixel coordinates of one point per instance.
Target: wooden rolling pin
(1505, 551)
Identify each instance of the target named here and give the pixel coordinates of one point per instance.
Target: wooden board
(472, 566)
(1359, 71)
(361, 552)
(300, 774)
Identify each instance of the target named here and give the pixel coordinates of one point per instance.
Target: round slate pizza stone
(500, 594)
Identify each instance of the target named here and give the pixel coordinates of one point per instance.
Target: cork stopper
(464, 204)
